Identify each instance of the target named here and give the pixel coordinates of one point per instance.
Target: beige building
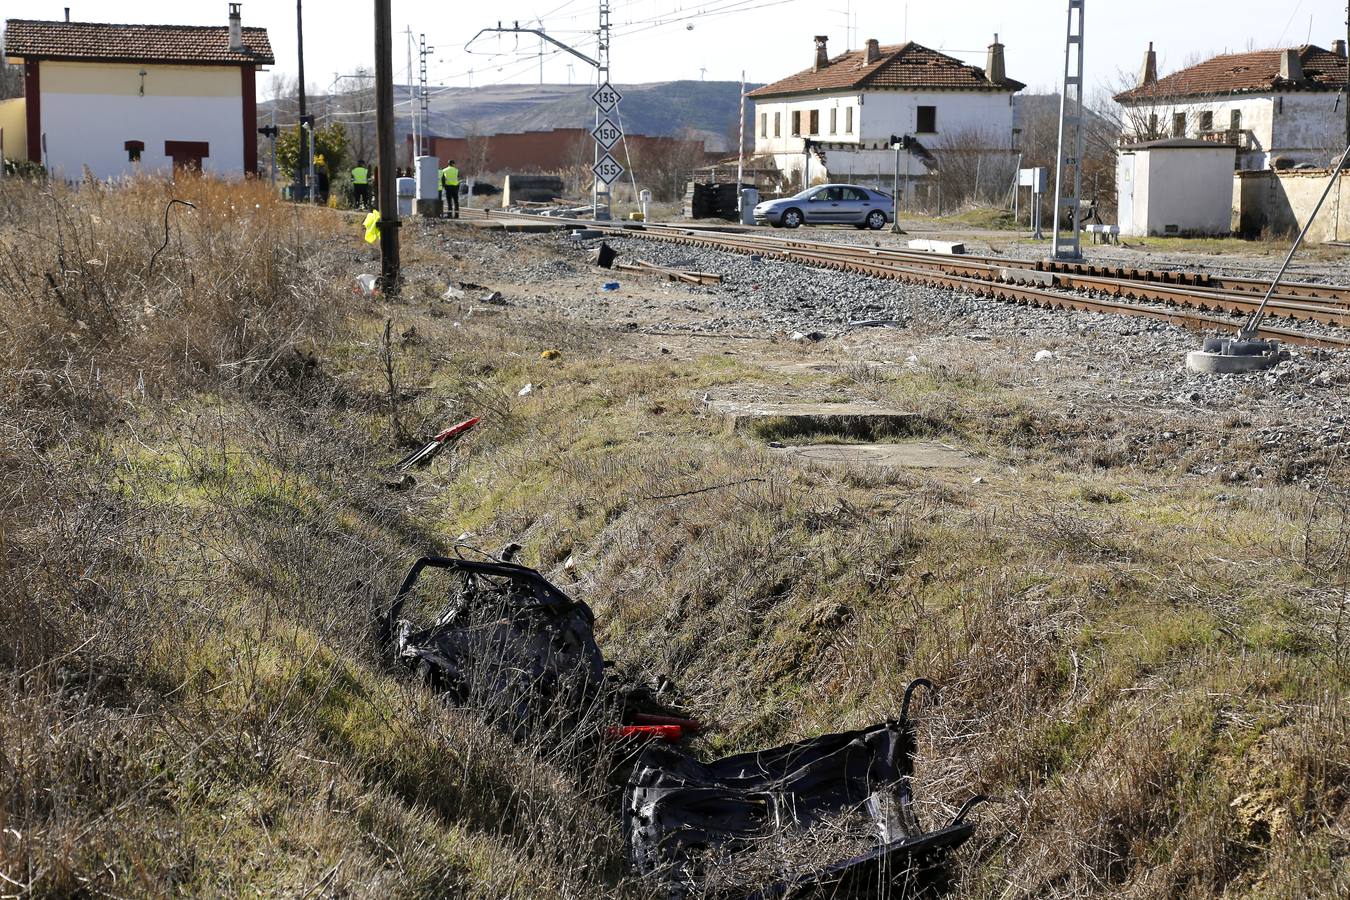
(120, 99)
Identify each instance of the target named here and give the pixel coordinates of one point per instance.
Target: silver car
(828, 204)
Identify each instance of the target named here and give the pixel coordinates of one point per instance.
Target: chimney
(1338, 47)
(1291, 67)
(236, 30)
(873, 51)
(67, 13)
(822, 55)
(993, 67)
(1149, 73)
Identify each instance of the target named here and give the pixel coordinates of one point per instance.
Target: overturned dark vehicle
(830, 816)
(499, 638)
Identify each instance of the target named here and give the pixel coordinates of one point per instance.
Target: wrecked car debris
(833, 812)
(504, 641)
(432, 448)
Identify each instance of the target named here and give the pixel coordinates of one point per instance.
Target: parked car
(828, 204)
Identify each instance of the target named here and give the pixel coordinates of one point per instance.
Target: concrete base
(1219, 364)
(1027, 276)
(948, 248)
(429, 208)
(845, 419)
(909, 455)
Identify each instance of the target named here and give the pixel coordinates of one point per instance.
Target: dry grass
(195, 533)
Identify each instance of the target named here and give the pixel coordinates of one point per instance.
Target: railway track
(1189, 299)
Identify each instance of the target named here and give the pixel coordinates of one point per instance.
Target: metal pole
(302, 165)
(1254, 323)
(313, 183)
(412, 103)
(384, 116)
(740, 152)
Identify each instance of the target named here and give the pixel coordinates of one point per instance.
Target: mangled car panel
(508, 642)
(711, 828)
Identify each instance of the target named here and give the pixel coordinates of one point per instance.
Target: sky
(662, 40)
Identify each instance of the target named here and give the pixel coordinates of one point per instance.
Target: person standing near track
(361, 184)
(450, 184)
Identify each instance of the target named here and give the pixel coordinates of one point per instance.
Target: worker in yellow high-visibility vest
(450, 184)
(361, 184)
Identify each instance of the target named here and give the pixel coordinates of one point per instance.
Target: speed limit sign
(608, 169)
(606, 134)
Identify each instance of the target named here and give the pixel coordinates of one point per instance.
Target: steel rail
(952, 273)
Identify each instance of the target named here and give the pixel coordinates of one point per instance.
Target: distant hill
(707, 108)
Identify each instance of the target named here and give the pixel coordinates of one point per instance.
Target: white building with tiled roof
(849, 107)
(121, 99)
(1282, 108)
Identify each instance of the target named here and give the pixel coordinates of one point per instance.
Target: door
(825, 206)
(854, 205)
(187, 156)
(1125, 194)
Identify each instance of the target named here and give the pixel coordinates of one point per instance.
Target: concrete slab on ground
(825, 418)
(906, 455)
(523, 226)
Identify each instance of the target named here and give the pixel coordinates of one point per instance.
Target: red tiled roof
(200, 45)
(908, 66)
(1245, 73)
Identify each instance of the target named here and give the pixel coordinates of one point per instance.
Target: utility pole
(412, 97)
(384, 116)
(302, 165)
(1347, 74)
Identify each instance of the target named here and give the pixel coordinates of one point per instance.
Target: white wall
(1309, 126)
(1258, 117)
(89, 111)
(1186, 191)
(877, 116)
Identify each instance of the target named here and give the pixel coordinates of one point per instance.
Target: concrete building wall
(545, 151)
(1278, 204)
(1309, 127)
(90, 110)
(1305, 127)
(1184, 191)
(14, 128)
(961, 116)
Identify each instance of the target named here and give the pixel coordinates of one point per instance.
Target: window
(796, 123)
(1178, 125)
(848, 120)
(834, 120)
(855, 194)
(134, 150)
(777, 124)
(815, 121)
(1207, 121)
(763, 124)
(1235, 120)
(927, 120)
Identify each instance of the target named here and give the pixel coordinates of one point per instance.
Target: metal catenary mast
(602, 76)
(422, 52)
(1069, 168)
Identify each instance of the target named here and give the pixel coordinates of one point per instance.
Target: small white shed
(1178, 186)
